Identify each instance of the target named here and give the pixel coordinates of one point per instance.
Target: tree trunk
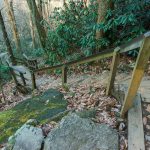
(32, 27)
(7, 42)
(47, 9)
(44, 9)
(103, 6)
(11, 17)
(39, 3)
(64, 1)
(37, 18)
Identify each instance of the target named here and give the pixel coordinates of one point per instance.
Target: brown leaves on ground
(91, 94)
(11, 96)
(146, 123)
(148, 108)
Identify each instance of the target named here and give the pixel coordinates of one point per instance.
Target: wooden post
(14, 76)
(137, 75)
(23, 79)
(33, 80)
(64, 75)
(115, 61)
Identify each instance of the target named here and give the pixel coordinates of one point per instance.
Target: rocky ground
(83, 92)
(72, 133)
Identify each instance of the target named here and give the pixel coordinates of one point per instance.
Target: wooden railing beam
(137, 75)
(133, 44)
(79, 62)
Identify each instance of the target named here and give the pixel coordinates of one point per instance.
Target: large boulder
(27, 137)
(75, 133)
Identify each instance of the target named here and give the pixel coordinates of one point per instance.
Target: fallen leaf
(144, 120)
(148, 127)
(148, 108)
(121, 126)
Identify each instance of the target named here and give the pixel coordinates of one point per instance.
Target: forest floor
(86, 90)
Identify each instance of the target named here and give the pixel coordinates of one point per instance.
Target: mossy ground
(41, 108)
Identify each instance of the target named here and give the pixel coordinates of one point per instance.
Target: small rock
(144, 120)
(46, 103)
(147, 138)
(148, 108)
(121, 126)
(148, 127)
(119, 120)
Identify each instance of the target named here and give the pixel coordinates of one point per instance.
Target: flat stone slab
(28, 137)
(75, 133)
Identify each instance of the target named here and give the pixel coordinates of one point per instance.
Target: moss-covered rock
(42, 108)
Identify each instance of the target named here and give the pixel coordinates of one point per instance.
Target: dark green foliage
(127, 20)
(34, 53)
(4, 73)
(71, 34)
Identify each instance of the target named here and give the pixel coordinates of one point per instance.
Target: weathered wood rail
(20, 70)
(17, 71)
(142, 42)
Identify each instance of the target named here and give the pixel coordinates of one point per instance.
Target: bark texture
(32, 27)
(6, 39)
(11, 16)
(37, 18)
(103, 6)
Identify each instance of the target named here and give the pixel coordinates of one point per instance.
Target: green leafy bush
(72, 33)
(126, 21)
(72, 30)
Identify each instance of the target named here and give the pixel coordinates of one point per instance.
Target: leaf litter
(83, 92)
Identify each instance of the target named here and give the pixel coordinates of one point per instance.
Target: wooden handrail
(133, 44)
(102, 55)
(18, 69)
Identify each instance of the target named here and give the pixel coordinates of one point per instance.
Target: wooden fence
(142, 42)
